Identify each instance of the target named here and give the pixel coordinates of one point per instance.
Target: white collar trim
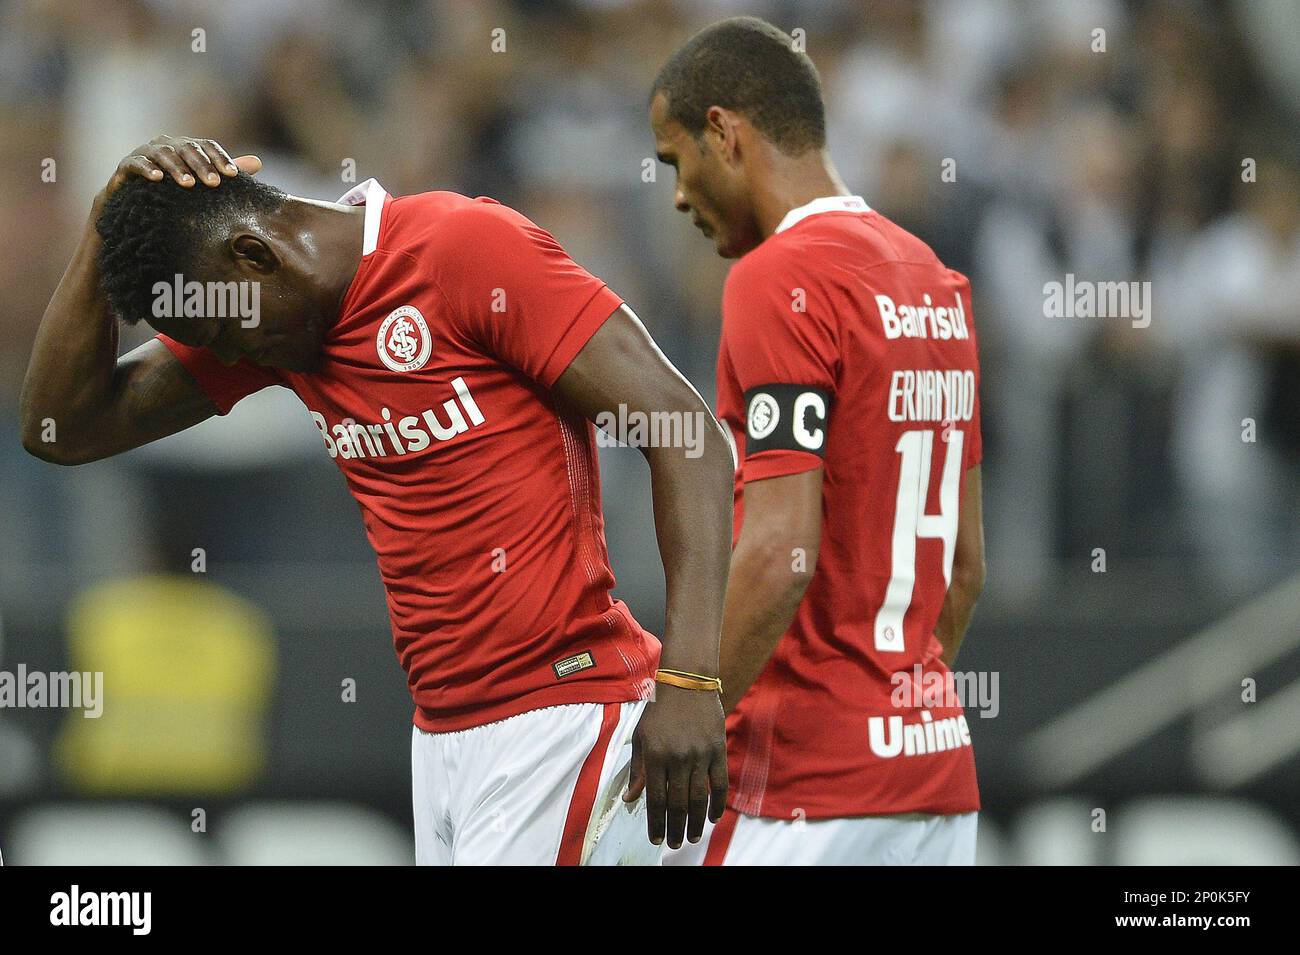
(373, 196)
(824, 204)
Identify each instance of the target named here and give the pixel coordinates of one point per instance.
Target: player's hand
(679, 760)
(187, 160)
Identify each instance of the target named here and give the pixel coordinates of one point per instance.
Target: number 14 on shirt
(915, 449)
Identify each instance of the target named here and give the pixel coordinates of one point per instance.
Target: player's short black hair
(153, 231)
(747, 65)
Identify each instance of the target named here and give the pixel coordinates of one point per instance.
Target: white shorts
(909, 839)
(541, 788)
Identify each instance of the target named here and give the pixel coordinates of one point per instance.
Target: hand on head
(187, 160)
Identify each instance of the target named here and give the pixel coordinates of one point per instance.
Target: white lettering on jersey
(922, 321)
(810, 439)
(926, 394)
(348, 439)
(916, 739)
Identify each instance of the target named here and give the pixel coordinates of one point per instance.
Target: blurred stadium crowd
(1015, 138)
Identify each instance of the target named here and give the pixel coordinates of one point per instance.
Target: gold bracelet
(688, 681)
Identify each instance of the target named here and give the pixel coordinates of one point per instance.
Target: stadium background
(1170, 158)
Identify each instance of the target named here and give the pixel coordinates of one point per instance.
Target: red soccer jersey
(480, 497)
(847, 345)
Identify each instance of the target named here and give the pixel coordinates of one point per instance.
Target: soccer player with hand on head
(453, 358)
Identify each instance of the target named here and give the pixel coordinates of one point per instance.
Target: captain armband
(787, 418)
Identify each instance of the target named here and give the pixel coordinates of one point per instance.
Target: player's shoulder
(913, 264)
(775, 253)
(769, 268)
(442, 222)
(824, 243)
(774, 283)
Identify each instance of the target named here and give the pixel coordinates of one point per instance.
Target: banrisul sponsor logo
(82, 907)
(399, 435)
(928, 318)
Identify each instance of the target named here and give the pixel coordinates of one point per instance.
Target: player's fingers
(199, 163)
(699, 806)
(679, 801)
(718, 786)
(249, 164)
(165, 157)
(636, 774)
(136, 165)
(656, 799)
(217, 153)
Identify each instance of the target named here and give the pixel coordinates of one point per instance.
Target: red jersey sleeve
(224, 384)
(515, 290)
(781, 341)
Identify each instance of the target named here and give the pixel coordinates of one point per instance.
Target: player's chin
(726, 248)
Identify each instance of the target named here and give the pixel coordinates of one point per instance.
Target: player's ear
(722, 129)
(253, 252)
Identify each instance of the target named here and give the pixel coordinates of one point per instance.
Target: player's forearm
(692, 508)
(958, 607)
(69, 380)
(763, 595)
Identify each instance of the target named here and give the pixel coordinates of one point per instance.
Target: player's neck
(337, 232)
(794, 181)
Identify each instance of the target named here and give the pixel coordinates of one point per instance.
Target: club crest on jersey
(763, 416)
(404, 342)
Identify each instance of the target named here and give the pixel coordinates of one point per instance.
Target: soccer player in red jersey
(847, 374)
(452, 357)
